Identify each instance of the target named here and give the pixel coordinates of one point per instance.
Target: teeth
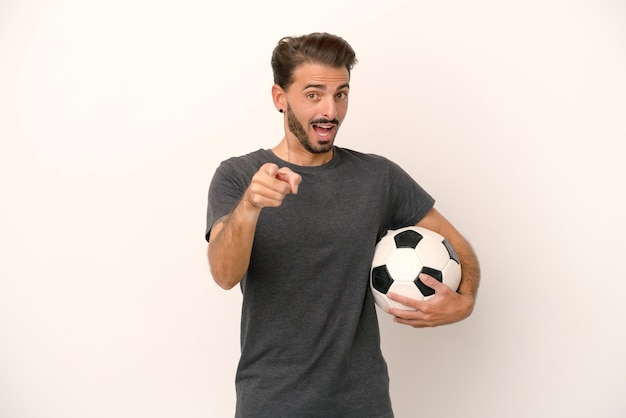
(328, 128)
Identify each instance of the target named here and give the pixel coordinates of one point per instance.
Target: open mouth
(324, 130)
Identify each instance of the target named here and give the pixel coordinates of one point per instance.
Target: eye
(342, 95)
(311, 96)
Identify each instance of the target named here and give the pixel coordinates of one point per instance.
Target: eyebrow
(323, 87)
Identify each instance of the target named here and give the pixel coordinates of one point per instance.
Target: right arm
(231, 238)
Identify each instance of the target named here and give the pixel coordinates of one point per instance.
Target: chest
(341, 213)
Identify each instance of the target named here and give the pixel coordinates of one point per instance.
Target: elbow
(223, 280)
(225, 284)
(226, 274)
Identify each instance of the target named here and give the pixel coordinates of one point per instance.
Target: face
(317, 103)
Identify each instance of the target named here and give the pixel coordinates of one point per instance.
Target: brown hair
(321, 48)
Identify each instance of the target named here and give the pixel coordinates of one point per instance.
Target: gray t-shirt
(310, 343)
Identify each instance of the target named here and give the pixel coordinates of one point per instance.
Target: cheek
(342, 110)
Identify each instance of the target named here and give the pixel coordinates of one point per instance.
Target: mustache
(324, 121)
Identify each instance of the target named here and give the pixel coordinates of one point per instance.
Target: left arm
(446, 306)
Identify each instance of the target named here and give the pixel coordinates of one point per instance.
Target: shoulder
(374, 163)
(254, 157)
(245, 163)
(237, 171)
(350, 155)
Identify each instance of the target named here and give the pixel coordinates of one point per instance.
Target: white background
(114, 115)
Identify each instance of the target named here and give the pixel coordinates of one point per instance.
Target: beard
(298, 130)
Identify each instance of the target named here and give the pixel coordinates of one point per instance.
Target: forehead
(318, 74)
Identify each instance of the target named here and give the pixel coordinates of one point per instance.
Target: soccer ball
(401, 255)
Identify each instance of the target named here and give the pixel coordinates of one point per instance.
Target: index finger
(292, 178)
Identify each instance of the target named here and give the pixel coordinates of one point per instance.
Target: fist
(270, 185)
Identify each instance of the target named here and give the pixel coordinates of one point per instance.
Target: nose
(329, 108)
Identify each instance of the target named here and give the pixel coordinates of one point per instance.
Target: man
(296, 227)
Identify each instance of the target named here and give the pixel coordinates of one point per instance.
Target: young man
(296, 227)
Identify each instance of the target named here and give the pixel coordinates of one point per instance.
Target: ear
(279, 97)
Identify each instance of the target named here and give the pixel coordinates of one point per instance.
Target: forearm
(230, 245)
(470, 267)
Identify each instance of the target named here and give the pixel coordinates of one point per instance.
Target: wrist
(247, 210)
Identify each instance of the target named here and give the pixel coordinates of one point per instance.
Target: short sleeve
(410, 201)
(225, 191)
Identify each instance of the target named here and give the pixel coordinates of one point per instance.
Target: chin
(321, 148)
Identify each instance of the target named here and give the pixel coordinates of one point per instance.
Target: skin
(315, 102)
(314, 106)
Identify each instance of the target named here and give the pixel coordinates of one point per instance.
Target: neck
(299, 156)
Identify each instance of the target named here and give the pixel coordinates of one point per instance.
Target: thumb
(271, 169)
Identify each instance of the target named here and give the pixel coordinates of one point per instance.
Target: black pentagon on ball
(381, 280)
(453, 254)
(407, 239)
(425, 290)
